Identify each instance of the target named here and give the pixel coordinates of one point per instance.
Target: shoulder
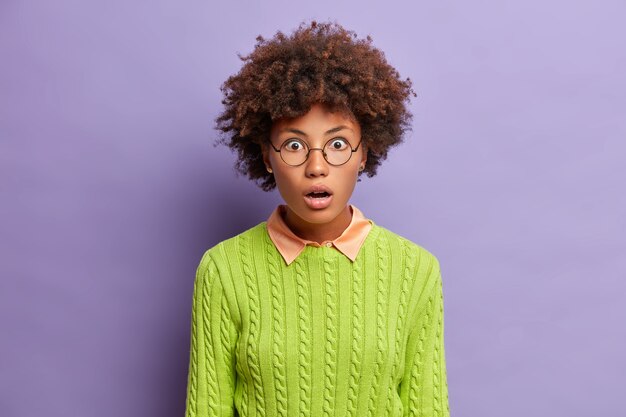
(409, 248)
(422, 268)
(227, 248)
(214, 269)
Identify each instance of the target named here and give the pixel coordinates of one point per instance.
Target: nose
(316, 165)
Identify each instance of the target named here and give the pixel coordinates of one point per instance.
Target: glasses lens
(293, 152)
(338, 151)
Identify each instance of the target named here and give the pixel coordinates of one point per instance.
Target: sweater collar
(290, 245)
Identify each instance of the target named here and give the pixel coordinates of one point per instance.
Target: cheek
(285, 183)
(348, 181)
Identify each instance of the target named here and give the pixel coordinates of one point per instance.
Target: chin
(320, 216)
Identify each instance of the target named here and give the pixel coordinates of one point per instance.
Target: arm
(211, 380)
(424, 387)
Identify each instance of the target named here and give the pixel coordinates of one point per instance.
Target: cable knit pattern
(192, 380)
(382, 278)
(331, 338)
(278, 327)
(357, 336)
(304, 347)
(245, 252)
(321, 336)
(210, 363)
(439, 372)
(225, 325)
(407, 272)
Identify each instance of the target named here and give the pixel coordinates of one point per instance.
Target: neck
(317, 232)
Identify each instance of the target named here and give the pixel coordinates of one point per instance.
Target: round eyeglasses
(336, 151)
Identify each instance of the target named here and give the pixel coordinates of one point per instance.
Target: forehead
(319, 119)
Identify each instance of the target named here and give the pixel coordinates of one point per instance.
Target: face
(316, 128)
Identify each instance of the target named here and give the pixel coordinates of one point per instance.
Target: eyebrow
(299, 132)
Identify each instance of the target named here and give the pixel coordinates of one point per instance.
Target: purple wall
(111, 191)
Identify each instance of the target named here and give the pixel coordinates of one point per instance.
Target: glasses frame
(353, 150)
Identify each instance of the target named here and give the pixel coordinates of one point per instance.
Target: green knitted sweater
(321, 337)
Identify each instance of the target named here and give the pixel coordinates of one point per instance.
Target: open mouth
(322, 194)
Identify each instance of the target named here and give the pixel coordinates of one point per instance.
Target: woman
(317, 311)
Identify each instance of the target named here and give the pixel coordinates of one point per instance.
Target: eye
(338, 144)
(293, 145)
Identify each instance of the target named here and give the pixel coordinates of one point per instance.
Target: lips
(318, 191)
(318, 196)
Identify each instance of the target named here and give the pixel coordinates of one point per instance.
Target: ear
(265, 152)
(364, 155)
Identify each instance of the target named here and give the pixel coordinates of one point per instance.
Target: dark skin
(318, 225)
(318, 63)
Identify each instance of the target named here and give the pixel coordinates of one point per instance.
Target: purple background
(111, 191)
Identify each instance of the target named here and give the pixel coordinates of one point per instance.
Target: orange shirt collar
(291, 245)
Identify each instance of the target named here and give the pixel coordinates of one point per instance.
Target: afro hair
(319, 63)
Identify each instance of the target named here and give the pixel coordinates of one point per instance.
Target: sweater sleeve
(211, 379)
(424, 388)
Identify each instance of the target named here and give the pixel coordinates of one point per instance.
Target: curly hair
(319, 63)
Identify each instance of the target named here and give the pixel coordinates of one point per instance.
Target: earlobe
(266, 160)
(363, 159)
